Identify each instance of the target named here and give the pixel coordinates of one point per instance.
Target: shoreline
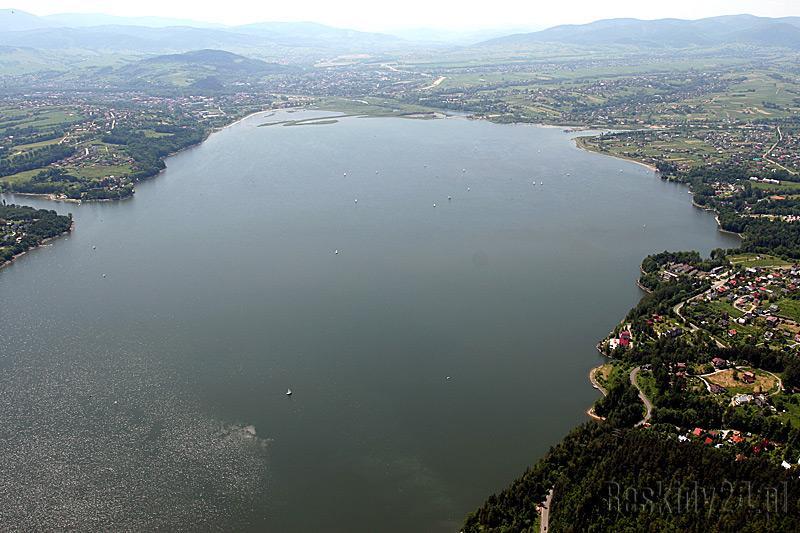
(716, 217)
(43, 243)
(643, 288)
(582, 145)
(53, 198)
(719, 227)
(578, 140)
(602, 390)
(215, 130)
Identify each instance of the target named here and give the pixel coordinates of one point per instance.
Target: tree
(791, 376)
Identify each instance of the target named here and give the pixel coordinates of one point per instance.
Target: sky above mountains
(370, 15)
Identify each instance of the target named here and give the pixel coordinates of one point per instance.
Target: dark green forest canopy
(612, 479)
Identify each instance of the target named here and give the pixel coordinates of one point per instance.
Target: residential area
(719, 363)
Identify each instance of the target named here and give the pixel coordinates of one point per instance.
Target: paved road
(771, 148)
(677, 310)
(544, 523)
(647, 405)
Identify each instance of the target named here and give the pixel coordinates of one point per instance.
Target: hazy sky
(384, 15)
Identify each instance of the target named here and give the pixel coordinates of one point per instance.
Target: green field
(757, 260)
(21, 176)
(790, 186)
(151, 134)
(724, 307)
(31, 146)
(791, 404)
(790, 308)
(101, 171)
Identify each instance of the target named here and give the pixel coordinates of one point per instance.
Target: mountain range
(27, 41)
(670, 33)
(120, 35)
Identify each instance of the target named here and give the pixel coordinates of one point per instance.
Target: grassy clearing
(790, 186)
(764, 382)
(603, 374)
(151, 134)
(101, 171)
(757, 260)
(724, 307)
(31, 146)
(647, 383)
(20, 177)
(791, 404)
(790, 308)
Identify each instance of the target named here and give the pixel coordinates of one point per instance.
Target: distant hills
(198, 69)
(221, 61)
(120, 35)
(669, 33)
(30, 43)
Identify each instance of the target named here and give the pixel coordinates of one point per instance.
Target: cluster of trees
(603, 474)
(33, 159)
(149, 152)
(764, 236)
(606, 478)
(622, 406)
(27, 135)
(36, 224)
(789, 206)
(30, 134)
(679, 405)
(664, 296)
(59, 181)
(652, 264)
(761, 235)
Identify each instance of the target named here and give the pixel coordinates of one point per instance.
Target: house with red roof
(624, 338)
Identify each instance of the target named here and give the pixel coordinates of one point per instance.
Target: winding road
(647, 405)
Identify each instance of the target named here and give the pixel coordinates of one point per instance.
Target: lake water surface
(439, 353)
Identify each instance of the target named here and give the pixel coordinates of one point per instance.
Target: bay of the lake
(440, 352)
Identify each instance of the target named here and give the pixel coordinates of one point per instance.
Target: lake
(441, 351)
